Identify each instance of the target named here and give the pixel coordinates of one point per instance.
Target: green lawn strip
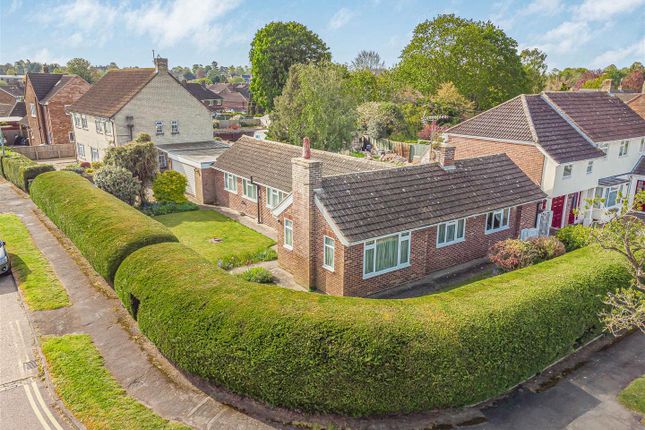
(633, 397)
(39, 284)
(238, 245)
(90, 392)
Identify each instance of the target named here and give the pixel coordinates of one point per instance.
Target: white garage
(188, 171)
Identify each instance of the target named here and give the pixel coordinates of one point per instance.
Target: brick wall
(36, 124)
(6, 98)
(59, 123)
(527, 157)
(638, 105)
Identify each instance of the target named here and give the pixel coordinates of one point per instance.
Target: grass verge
(90, 392)
(235, 244)
(36, 279)
(633, 396)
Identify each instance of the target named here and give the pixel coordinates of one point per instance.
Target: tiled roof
(219, 87)
(270, 162)
(639, 168)
(42, 83)
(57, 87)
(599, 115)
(201, 152)
(200, 92)
(113, 91)
(5, 109)
(372, 204)
(626, 97)
(14, 90)
(18, 109)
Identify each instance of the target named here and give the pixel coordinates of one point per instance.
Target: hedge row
(104, 229)
(351, 356)
(19, 170)
(359, 356)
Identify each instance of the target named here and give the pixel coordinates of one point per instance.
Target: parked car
(5, 264)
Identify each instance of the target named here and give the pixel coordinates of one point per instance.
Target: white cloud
(565, 38)
(544, 7)
(340, 18)
(603, 10)
(506, 13)
(615, 56)
(44, 56)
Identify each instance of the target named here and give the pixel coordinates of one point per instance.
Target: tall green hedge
(104, 229)
(19, 170)
(364, 356)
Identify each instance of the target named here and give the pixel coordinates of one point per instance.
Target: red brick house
(234, 97)
(356, 228)
(46, 98)
(209, 98)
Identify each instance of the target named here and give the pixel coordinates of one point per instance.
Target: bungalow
(575, 145)
(351, 227)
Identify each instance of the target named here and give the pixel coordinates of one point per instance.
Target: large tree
(81, 67)
(534, 64)
(274, 49)
(479, 58)
(368, 60)
(316, 103)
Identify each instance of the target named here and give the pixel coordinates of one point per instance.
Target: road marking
(44, 406)
(35, 409)
(22, 340)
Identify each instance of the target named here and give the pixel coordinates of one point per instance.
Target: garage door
(188, 172)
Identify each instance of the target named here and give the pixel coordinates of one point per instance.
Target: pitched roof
(5, 109)
(270, 162)
(599, 115)
(219, 87)
(18, 109)
(56, 88)
(42, 83)
(200, 92)
(14, 90)
(530, 119)
(626, 97)
(372, 204)
(113, 91)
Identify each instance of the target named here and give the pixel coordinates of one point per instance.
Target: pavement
(25, 399)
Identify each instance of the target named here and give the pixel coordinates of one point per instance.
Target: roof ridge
(553, 105)
(529, 118)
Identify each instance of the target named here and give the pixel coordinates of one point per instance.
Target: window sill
(330, 269)
(250, 199)
(454, 242)
(497, 230)
(288, 247)
(383, 272)
(231, 191)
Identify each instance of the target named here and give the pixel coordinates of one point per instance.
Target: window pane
(450, 232)
(611, 197)
(497, 219)
(442, 233)
(387, 253)
(489, 221)
(507, 215)
(368, 262)
(405, 251)
(460, 229)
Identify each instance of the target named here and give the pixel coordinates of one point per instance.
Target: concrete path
(585, 400)
(281, 277)
(25, 400)
(133, 360)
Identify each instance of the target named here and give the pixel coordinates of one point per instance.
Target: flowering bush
(513, 254)
(548, 247)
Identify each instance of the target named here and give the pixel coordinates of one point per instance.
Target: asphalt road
(24, 401)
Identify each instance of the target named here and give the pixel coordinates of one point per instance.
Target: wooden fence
(404, 149)
(45, 152)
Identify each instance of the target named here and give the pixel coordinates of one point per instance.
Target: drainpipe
(257, 201)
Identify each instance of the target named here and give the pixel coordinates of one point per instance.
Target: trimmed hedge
(104, 229)
(359, 356)
(19, 170)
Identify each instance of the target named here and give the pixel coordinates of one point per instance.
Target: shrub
(164, 208)
(104, 229)
(96, 165)
(85, 164)
(118, 182)
(513, 254)
(244, 259)
(548, 246)
(20, 170)
(287, 348)
(257, 274)
(169, 186)
(140, 157)
(574, 236)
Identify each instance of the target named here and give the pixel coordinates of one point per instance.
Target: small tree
(379, 119)
(449, 101)
(169, 186)
(119, 182)
(139, 157)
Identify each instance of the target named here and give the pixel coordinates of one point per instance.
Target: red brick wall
(6, 98)
(239, 203)
(638, 105)
(36, 125)
(59, 122)
(527, 157)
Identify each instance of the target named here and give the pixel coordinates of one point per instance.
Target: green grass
(239, 245)
(633, 397)
(36, 279)
(90, 392)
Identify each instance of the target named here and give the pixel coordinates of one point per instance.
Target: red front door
(557, 205)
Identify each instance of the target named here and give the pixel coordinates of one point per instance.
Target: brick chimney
(306, 177)
(608, 85)
(161, 64)
(444, 154)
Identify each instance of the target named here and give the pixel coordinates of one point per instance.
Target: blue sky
(590, 33)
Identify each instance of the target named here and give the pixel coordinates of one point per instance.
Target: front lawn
(35, 277)
(633, 397)
(90, 392)
(219, 238)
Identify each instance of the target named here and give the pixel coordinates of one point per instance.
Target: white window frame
(621, 193)
(589, 167)
(329, 246)
(84, 122)
(456, 238)
(77, 120)
(505, 221)
(159, 128)
(288, 238)
(32, 109)
(174, 127)
(566, 167)
(274, 197)
(99, 125)
(107, 127)
(80, 148)
(604, 147)
(624, 149)
(372, 245)
(163, 160)
(642, 146)
(229, 179)
(247, 186)
(94, 151)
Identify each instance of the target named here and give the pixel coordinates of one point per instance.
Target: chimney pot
(306, 148)
(161, 64)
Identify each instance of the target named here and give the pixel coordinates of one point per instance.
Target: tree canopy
(478, 57)
(316, 103)
(275, 48)
(380, 119)
(82, 68)
(368, 60)
(534, 64)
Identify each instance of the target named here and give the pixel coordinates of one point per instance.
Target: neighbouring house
(127, 102)
(210, 99)
(12, 114)
(233, 96)
(47, 98)
(633, 99)
(575, 145)
(353, 227)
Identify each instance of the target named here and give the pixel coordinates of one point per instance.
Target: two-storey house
(576, 145)
(47, 97)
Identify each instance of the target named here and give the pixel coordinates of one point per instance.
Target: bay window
(498, 220)
(328, 253)
(274, 197)
(451, 232)
(288, 234)
(249, 190)
(230, 182)
(386, 254)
